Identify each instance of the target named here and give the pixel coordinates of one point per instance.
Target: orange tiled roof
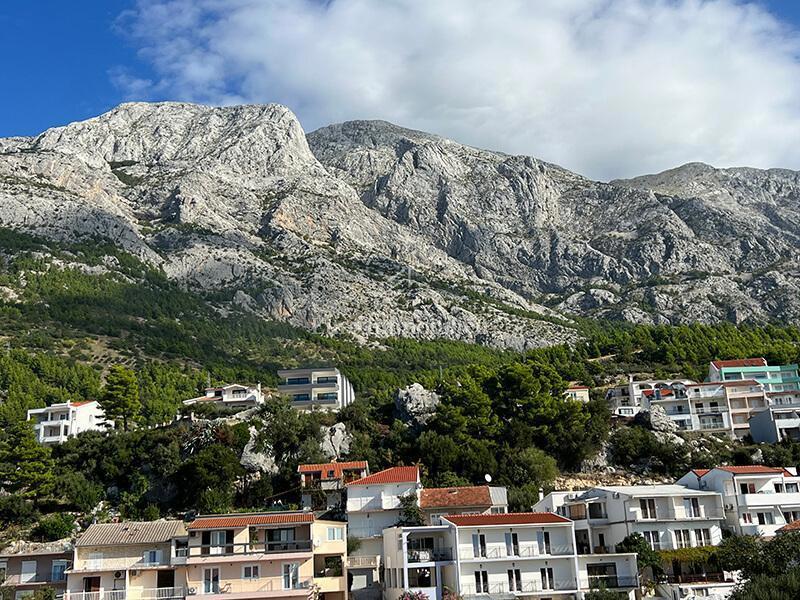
(663, 391)
(700, 472)
(337, 467)
(453, 497)
(391, 475)
(245, 520)
(740, 382)
(529, 518)
(740, 362)
(751, 469)
(82, 402)
(793, 526)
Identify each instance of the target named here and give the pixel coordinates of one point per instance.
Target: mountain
(375, 231)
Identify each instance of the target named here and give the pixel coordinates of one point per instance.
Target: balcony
(264, 587)
(525, 551)
(426, 555)
(703, 578)
(609, 582)
(49, 577)
(98, 595)
(770, 499)
(245, 551)
(165, 593)
(362, 562)
(117, 564)
(525, 587)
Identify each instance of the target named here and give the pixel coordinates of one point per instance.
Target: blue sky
(62, 61)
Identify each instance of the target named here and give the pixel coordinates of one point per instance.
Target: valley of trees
(140, 345)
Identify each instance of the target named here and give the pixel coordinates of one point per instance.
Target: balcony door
(217, 541)
(543, 539)
(291, 576)
(692, 507)
(91, 585)
(478, 545)
(165, 582)
(211, 580)
(280, 539)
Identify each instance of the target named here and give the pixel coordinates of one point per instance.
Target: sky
(608, 88)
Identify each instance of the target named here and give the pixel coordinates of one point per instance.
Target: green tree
(53, 527)
(740, 553)
(121, 397)
(783, 586)
(410, 513)
(26, 467)
(645, 555)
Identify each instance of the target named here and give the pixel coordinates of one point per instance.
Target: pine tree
(121, 396)
(26, 467)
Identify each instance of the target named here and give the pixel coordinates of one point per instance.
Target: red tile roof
(740, 382)
(82, 402)
(700, 472)
(391, 475)
(454, 497)
(245, 520)
(531, 518)
(740, 362)
(663, 391)
(751, 470)
(337, 467)
(793, 526)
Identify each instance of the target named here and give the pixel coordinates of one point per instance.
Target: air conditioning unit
(134, 572)
(117, 574)
(729, 507)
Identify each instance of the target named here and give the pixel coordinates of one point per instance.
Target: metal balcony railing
(163, 593)
(274, 547)
(427, 555)
(595, 582)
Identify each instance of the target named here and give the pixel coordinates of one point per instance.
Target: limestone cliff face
(374, 230)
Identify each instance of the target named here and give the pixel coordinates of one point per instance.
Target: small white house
(56, 423)
(233, 395)
(577, 392)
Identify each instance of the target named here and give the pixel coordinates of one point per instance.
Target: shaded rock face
(335, 441)
(415, 405)
(254, 460)
(373, 230)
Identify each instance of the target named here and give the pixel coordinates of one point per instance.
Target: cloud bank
(609, 88)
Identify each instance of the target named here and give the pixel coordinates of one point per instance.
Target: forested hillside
(73, 313)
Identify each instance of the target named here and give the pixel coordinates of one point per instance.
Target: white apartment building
(667, 516)
(56, 423)
(374, 504)
(499, 555)
(757, 500)
(316, 389)
(628, 399)
(233, 395)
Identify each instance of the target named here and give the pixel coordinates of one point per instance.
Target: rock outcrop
(415, 405)
(372, 230)
(335, 441)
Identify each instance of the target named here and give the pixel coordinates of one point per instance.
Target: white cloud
(609, 88)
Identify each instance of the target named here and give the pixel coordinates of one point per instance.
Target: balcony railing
(164, 593)
(595, 582)
(355, 562)
(98, 595)
(526, 551)
(275, 547)
(252, 586)
(426, 555)
(701, 578)
(118, 563)
(503, 589)
(56, 577)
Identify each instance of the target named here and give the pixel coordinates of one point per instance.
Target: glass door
(211, 580)
(291, 576)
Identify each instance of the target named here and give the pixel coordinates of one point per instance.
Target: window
(498, 510)
(548, 583)
(27, 571)
(648, 508)
(481, 582)
(3, 571)
(328, 397)
(543, 539)
(703, 537)
(778, 487)
(747, 518)
(422, 577)
(217, 540)
(20, 594)
(682, 539)
(211, 580)
(791, 488)
(152, 557)
(747, 488)
(653, 539)
(58, 571)
(765, 518)
(291, 576)
(692, 507)
(512, 544)
(327, 379)
(478, 545)
(301, 397)
(297, 381)
(250, 572)
(514, 580)
(335, 534)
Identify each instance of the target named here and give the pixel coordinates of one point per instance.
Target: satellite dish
(488, 478)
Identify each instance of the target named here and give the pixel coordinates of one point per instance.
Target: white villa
(56, 423)
(233, 395)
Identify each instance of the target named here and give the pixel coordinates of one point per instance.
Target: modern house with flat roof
(57, 423)
(26, 568)
(774, 378)
(233, 395)
(324, 389)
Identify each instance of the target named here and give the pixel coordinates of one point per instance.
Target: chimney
(541, 494)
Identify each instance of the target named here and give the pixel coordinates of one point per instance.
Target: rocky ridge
(373, 230)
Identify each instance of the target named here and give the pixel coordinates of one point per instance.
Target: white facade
(628, 399)
(374, 504)
(494, 555)
(56, 423)
(316, 389)
(667, 516)
(579, 393)
(233, 395)
(757, 500)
